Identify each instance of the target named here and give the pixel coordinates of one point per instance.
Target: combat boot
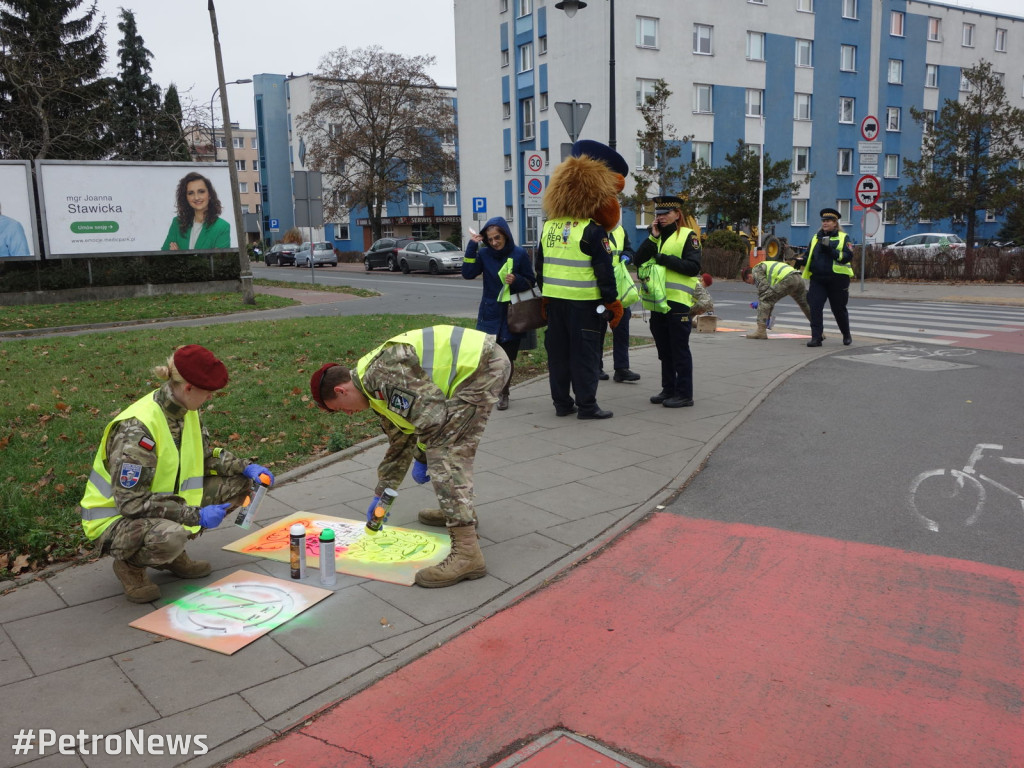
(760, 333)
(466, 561)
(137, 586)
(435, 517)
(184, 567)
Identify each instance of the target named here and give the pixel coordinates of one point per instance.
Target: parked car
(316, 254)
(435, 256)
(384, 253)
(930, 246)
(282, 254)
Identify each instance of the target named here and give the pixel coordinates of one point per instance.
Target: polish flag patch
(148, 443)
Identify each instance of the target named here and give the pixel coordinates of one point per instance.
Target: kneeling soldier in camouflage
(774, 279)
(155, 480)
(434, 389)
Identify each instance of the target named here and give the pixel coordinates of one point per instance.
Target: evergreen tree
(171, 133)
(136, 113)
(53, 98)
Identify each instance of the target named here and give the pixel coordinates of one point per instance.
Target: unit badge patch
(130, 474)
(401, 402)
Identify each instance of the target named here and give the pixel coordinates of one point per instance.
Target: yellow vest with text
(839, 269)
(181, 474)
(776, 270)
(568, 272)
(678, 287)
(449, 354)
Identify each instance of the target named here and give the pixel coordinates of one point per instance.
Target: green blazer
(216, 235)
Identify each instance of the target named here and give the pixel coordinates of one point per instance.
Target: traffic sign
(533, 191)
(868, 190)
(869, 147)
(533, 163)
(479, 205)
(275, 225)
(869, 128)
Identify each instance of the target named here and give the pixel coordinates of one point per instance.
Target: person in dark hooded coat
(506, 269)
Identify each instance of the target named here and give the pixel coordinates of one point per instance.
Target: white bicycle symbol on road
(960, 488)
(911, 352)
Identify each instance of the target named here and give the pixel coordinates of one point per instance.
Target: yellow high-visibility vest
(568, 273)
(839, 269)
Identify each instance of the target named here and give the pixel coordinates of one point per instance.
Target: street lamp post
(570, 7)
(213, 116)
(248, 297)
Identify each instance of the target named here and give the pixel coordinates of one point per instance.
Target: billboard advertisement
(117, 208)
(17, 211)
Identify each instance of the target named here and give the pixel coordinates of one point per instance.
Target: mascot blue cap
(602, 152)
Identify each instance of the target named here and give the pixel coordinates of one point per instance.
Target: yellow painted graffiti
(392, 546)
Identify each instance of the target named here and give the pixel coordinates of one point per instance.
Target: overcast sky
(291, 36)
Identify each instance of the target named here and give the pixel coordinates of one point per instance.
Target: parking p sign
(479, 205)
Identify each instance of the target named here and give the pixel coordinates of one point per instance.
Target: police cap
(829, 214)
(598, 151)
(666, 203)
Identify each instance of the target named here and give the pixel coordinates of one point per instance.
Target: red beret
(706, 279)
(200, 368)
(316, 381)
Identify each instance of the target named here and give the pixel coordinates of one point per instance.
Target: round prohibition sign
(868, 190)
(869, 128)
(534, 162)
(534, 186)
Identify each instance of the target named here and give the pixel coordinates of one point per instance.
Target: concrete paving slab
(515, 560)
(547, 472)
(431, 605)
(640, 484)
(12, 664)
(87, 582)
(576, 501)
(29, 600)
(576, 533)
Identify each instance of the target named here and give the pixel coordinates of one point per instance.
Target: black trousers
(573, 343)
(620, 342)
(835, 289)
(671, 331)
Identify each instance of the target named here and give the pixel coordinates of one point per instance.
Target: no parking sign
(533, 191)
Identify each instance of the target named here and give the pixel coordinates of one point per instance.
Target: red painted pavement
(709, 645)
(1006, 341)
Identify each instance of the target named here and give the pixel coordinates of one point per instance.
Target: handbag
(525, 311)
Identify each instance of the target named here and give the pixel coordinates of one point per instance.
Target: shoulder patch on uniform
(694, 240)
(148, 443)
(130, 474)
(607, 245)
(401, 402)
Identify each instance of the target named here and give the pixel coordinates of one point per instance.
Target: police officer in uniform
(675, 249)
(156, 482)
(774, 279)
(827, 264)
(434, 389)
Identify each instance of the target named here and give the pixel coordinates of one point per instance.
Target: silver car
(316, 254)
(928, 246)
(435, 256)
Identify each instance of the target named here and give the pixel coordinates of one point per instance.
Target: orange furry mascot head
(587, 184)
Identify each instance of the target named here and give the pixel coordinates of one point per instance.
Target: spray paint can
(381, 511)
(297, 546)
(252, 503)
(327, 575)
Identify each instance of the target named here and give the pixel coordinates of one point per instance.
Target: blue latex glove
(373, 506)
(624, 258)
(211, 516)
(253, 472)
(753, 305)
(420, 473)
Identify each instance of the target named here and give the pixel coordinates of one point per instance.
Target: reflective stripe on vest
(678, 287)
(776, 270)
(617, 240)
(98, 501)
(449, 354)
(839, 269)
(568, 273)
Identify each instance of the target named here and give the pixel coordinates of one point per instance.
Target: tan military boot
(466, 561)
(760, 333)
(137, 586)
(184, 567)
(435, 517)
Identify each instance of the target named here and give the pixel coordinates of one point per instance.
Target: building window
(243, 187)
(846, 109)
(527, 128)
(239, 165)
(645, 158)
(848, 58)
(532, 228)
(804, 48)
(892, 166)
(502, 6)
(238, 142)
(644, 88)
(525, 7)
(892, 118)
(508, 162)
(845, 164)
(256, 187)
(341, 232)
(896, 71)
(702, 98)
(542, 45)
(219, 142)
(934, 29)
(756, 2)
(928, 121)
(543, 105)
(702, 39)
(968, 36)
(801, 159)
(896, 24)
(755, 46)
(965, 84)
(755, 98)
(509, 210)
(506, 110)
(931, 75)
(990, 216)
(415, 198)
(806, 6)
(700, 151)
(526, 57)
(844, 207)
(252, 143)
(887, 213)
(1000, 40)
(451, 198)
(800, 213)
(849, 9)
(646, 32)
(504, 58)
(801, 106)
(245, 209)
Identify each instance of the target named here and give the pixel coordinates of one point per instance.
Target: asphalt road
(841, 448)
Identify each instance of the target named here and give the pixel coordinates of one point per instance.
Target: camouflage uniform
(768, 295)
(150, 532)
(449, 428)
(702, 303)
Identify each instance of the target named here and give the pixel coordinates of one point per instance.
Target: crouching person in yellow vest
(774, 279)
(156, 481)
(434, 389)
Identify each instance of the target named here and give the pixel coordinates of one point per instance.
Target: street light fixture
(213, 116)
(570, 7)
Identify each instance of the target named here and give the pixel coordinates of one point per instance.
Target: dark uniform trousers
(671, 331)
(835, 289)
(573, 343)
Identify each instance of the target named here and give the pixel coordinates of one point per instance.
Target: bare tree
(378, 124)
